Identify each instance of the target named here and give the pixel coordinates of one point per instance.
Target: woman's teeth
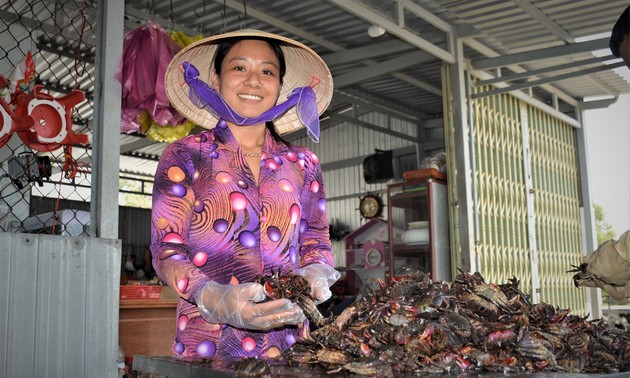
(250, 97)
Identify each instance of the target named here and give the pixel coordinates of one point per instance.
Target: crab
(293, 287)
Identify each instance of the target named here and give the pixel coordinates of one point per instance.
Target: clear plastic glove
(608, 267)
(238, 306)
(617, 292)
(611, 261)
(321, 277)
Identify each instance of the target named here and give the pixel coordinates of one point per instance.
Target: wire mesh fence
(47, 86)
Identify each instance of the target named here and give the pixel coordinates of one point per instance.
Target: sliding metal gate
(526, 199)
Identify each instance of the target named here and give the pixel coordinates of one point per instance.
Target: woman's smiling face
(250, 78)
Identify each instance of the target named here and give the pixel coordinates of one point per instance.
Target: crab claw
(581, 268)
(365, 350)
(269, 291)
(580, 272)
(310, 310)
(576, 280)
(463, 363)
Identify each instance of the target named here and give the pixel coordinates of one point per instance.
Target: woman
(236, 201)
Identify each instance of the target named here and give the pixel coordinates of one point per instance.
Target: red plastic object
(9, 121)
(423, 174)
(52, 120)
(140, 292)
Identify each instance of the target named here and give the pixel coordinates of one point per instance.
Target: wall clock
(370, 206)
(373, 258)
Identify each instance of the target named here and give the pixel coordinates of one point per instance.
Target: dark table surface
(187, 367)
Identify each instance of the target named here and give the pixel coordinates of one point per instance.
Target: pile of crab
(415, 325)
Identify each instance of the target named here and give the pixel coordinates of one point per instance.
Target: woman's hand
(321, 277)
(609, 263)
(619, 293)
(241, 306)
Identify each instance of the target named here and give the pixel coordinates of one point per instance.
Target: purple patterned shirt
(211, 221)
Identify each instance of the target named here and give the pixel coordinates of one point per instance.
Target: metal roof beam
(367, 52)
(379, 102)
(382, 68)
(420, 84)
(528, 84)
(483, 75)
(35, 24)
(173, 9)
(43, 43)
(373, 127)
(127, 149)
(362, 11)
(238, 5)
(326, 122)
(551, 25)
(351, 162)
(482, 49)
(145, 16)
(426, 15)
(546, 53)
(544, 20)
(136, 145)
(539, 104)
(333, 119)
(541, 71)
(380, 108)
(598, 104)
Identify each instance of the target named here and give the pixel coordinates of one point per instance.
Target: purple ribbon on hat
(204, 96)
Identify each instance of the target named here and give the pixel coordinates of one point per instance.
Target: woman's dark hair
(620, 31)
(224, 47)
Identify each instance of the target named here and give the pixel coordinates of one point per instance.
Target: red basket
(140, 292)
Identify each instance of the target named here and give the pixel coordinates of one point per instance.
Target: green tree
(604, 230)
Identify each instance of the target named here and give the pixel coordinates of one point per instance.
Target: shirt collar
(271, 147)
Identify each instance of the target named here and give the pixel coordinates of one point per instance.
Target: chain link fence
(47, 62)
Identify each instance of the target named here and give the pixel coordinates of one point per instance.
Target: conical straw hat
(303, 67)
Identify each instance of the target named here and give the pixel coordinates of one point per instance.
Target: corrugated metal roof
(488, 27)
(508, 28)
